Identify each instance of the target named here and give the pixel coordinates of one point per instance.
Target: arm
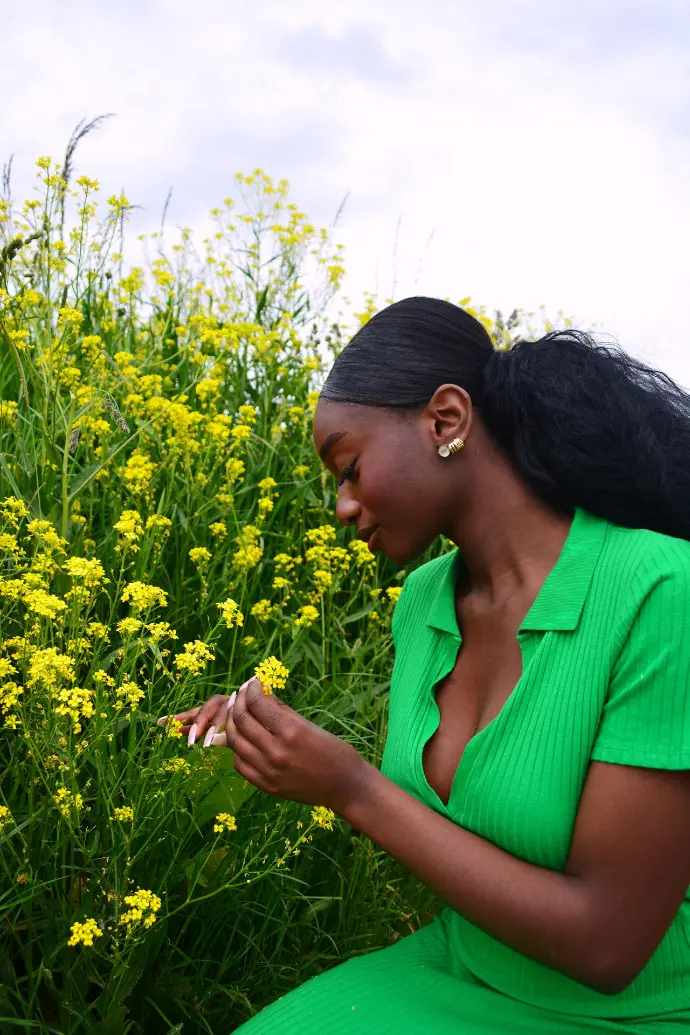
(600, 920)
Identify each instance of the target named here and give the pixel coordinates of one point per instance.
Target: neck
(508, 538)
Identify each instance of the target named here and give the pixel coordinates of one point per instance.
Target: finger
(243, 748)
(269, 710)
(181, 716)
(207, 713)
(219, 720)
(248, 726)
(251, 774)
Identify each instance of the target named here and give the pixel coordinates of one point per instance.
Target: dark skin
(628, 869)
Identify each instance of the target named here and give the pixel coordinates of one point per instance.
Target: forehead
(354, 423)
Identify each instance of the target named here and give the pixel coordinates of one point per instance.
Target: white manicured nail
(209, 736)
(163, 719)
(231, 701)
(192, 736)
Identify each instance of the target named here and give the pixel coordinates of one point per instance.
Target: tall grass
(156, 462)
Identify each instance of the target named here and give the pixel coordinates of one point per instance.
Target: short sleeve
(646, 715)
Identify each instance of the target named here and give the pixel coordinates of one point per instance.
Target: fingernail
(192, 736)
(231, 700)
(244, 686)
(209, 736)
(163, 718)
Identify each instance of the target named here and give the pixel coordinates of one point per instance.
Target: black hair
(584, 424)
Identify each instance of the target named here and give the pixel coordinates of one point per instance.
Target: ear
(449, 413)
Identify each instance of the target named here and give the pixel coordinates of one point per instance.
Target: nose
(347, 509)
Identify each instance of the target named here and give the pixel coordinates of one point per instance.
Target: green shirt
(606, 677)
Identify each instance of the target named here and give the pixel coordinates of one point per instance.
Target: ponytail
(584, 424)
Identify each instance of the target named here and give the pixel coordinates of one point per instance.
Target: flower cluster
(143, 906)
(272, 674)
(84, 933)
(224, 822)
(194, 658)
(231, 614)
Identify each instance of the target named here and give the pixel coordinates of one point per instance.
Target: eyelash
(348, 471)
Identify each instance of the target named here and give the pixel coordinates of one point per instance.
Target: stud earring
(450, 447)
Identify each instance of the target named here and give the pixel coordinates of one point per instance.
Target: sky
(523, 152)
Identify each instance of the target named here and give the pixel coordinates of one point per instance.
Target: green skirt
(416, 987)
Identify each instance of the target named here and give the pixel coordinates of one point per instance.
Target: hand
(282, 753)
(206, 718)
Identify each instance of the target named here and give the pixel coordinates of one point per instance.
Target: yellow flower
(322, 579)
(84, 934)
(272, 674)
(74, 703)
(280, 582)
(123, 813)
(248, 641)
(262, 610)
(66, 801)
(266, 486)
(224, 821)
(143, 596)
(42, 603)
(176, 765)
(248, 414)
(200, 556)
(193, 660)
(6, 668)
(97, 631)
(22, 878)
(48, 666)
(128, 695)
(323, 535)
(307, 615)
(218, 528)
(231, 613)
(363, 557)
(249, 552)
(323, 817)
(90, 571)
(138, 472)
(143, 908)
(241, 432)
(301, 471)
(129, 525)
(6, 819)
(13, 510)
(393, 593)
(161, 631)
(158, 523)
(128, 626)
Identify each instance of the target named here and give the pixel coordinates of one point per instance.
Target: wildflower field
(166, 531)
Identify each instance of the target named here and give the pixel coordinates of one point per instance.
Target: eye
(348, 472)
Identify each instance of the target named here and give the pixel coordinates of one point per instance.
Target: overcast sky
(533, 151)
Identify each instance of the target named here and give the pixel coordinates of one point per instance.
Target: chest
(498, 738)
(486, 671)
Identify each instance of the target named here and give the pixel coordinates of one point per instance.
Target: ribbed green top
(606, 676)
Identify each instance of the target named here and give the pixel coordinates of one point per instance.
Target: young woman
(535, 767)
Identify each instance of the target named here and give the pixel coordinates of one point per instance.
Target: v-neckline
(472, 743)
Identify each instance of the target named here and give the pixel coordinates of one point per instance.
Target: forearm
(543, 914)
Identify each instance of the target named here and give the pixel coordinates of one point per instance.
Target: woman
(535, 768)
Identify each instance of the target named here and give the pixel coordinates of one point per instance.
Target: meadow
(166, 530)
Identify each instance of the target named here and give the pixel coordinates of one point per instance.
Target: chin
(400, 553)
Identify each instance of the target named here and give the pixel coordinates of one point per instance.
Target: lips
(368, 536)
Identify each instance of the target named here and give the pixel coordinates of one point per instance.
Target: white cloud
(544, 144)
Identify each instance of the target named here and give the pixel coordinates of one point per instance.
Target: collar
(559, 603)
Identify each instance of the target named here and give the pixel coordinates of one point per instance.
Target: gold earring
(451, 447)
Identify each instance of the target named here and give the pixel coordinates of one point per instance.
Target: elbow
(611, 971)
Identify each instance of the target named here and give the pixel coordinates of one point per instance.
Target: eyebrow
(330, 441)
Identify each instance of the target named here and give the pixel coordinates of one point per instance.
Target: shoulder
(638, 556)
(640, 575)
